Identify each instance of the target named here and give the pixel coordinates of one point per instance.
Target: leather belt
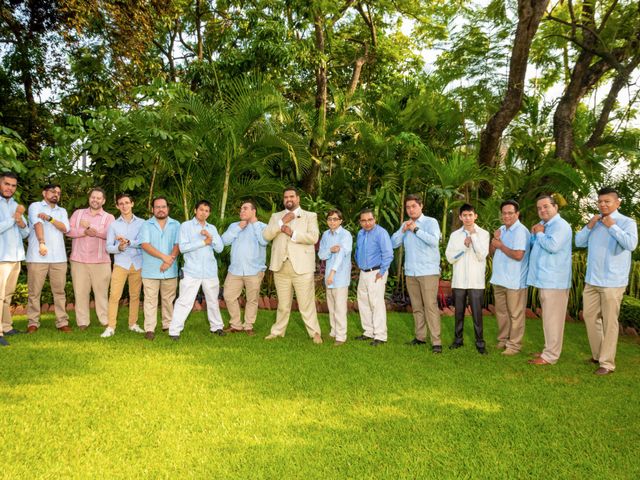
(370, 269)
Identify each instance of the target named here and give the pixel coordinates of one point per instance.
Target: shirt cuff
(293, 237)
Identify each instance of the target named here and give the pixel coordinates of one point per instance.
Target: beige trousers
(119, 277)
(9, 272)
(510, 314)
(423, 292)
(287, 281)
(233, 285)
(601, 306)
(87, 277)
(554, 313)
(167, 289)
(337, 303)
(36, 275)
(371, 305)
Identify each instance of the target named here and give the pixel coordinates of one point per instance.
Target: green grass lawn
(239, 407)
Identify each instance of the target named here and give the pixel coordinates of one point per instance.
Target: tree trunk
(530, 13)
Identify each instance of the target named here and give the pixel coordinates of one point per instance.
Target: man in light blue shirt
(246, 271)
(123, 241)
(198, 242)
(611, 238)
(374, 254)
(159, 241)
(335, 247)
(47, 255)
(13, 229)
(420, 236)
(510, 248)
(550, 273)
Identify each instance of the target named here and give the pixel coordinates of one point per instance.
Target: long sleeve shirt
(85, 248)
(132, 254)
(199, 258)
(509, 272)
(54, 238)
(340, 261)
(469, 262)
(609, 254)
(163, 239)
(374, 249)
(421, 249)
(248, 248)
(550, 257)
(11, 235)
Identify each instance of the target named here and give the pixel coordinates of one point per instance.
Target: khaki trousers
(337, 303)
(119, 277)
(233, 285)
(510, 314)
(36, 275)
(423, 292)
(601, 307)
(9, 272)
(87, 277)
(371, 305)
(287, 281)
(554, 313)
(167, 289)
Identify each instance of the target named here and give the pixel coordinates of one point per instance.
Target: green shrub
(630, 312)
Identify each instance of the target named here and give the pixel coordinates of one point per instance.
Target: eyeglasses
(333, 219)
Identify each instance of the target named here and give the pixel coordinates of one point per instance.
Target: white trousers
(373, 311)
(337, 303)
(184, 304)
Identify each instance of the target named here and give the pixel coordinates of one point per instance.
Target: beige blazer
(302, 252)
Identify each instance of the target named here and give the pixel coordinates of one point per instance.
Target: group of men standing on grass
(145, 254)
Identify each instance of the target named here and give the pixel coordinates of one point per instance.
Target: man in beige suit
(294, 233)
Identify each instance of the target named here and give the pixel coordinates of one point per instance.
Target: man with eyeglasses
(374, 254)
(510, 249)
(47, 255)
(13, 229)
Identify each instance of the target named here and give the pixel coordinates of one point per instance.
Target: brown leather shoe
(32, 329)
(602, 371)
(149, 335)
(250, 333)
(538, 361)
(66, 329)
(232, 330)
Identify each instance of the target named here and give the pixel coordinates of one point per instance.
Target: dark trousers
(476, 297)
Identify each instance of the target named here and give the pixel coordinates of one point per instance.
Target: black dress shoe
(415, 341)
(218, 332)
(175, 338)
(3, 342)
(363, 337)
(483, 351)
(13, 331)
(436, 349)
(455, 345)
(375, 343)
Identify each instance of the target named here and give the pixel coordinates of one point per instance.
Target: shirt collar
(44, 202)
(195, 221)
(555, 217)
(337, 232)
(133, 219)
(512, 227)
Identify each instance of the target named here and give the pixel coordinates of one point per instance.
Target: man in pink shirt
(90, 262)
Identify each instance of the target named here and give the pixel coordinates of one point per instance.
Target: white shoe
(136, 328)
(108, 332)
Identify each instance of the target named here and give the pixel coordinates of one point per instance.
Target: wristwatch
(416, 230)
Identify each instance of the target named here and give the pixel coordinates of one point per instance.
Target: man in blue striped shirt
(420, 236)
(611, 238)
(13, 230)
(374, 254)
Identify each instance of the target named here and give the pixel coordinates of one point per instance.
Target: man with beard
(294, 233)
(90, 261)
(47, 255)
(13, 229)
(199, 242)
(611, 238)
(159, 241)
